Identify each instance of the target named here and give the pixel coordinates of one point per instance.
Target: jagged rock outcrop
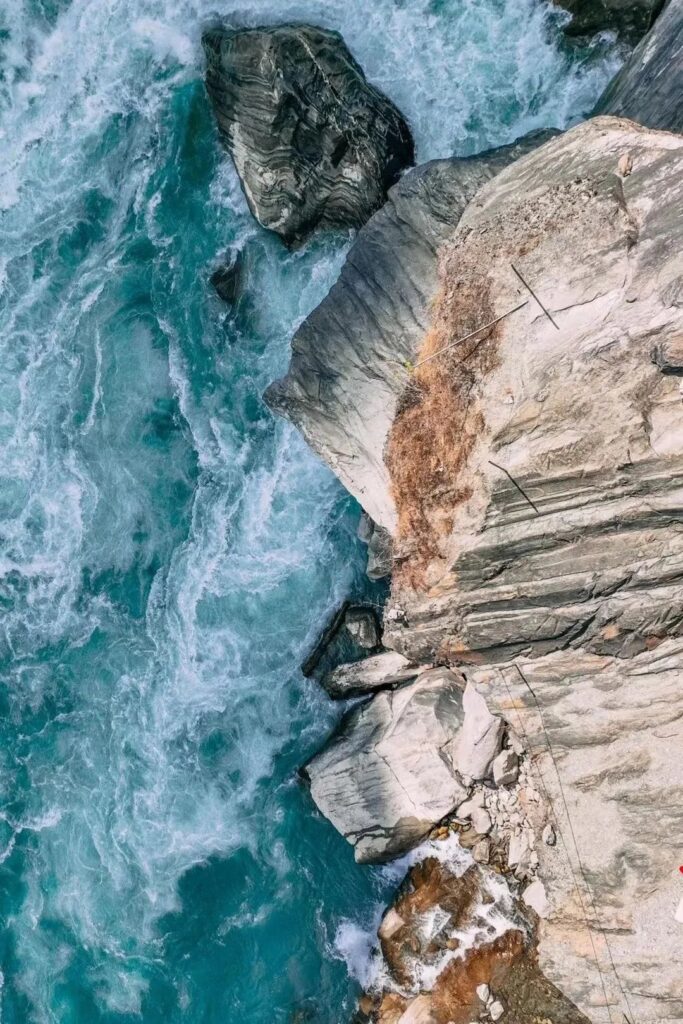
(387, 777)
(550, 494)
(314, 144)
(630, 19)
(649, 88)
(347, 373)
(378, 672)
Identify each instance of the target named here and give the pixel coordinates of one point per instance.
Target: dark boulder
(630, 19)
(228, 279)
(314, 144)
(649, 88)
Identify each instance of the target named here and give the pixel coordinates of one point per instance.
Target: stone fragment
(549, 835)
(496, 1010)
(314, 144)
(361, 625)
(391, 923)
(505, 768)
(483, 993)
(481, 851)
(384, 779)
(481, 821)
(480, 738)
(668, 354)
(535, 897)
(419, 1011)
(379, 671)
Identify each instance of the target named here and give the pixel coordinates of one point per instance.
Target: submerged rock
(649, 88)
(630, 19)
(386, 778)
(314, 144)
(228, 278)
(346, 372)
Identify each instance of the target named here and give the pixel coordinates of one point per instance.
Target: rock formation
(630, 19)
(533, 479)
(347, 372)
(649, 88)
(314, 144)
(387, 776)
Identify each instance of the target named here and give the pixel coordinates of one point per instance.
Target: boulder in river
(382, 671)
(630, 19)
(649, 88)
(386, 778)
(314, 143)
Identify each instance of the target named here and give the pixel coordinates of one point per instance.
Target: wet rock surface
(649, 88)
(630, 19)
(314, 143)
(378, 672)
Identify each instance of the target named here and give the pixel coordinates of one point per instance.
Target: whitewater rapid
(168, 549)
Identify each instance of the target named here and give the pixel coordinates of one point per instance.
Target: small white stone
(496, 1010)
(484, 993)
(549, 836)
(481, 821)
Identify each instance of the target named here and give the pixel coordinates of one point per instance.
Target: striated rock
(386, 777)
(346, 373)
(592, 439)
(649, 88)
(378, 672)
(380, 554)
(479, 739)
(350, 632)
(613, 729)
(630, 19)
(314, 144)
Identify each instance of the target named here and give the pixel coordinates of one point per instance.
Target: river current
(169, 549)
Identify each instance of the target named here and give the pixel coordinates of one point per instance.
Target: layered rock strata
(314, 143)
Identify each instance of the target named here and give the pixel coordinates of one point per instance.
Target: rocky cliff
(531, 474)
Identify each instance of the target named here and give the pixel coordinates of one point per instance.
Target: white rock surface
(387, 776)
(480, 738)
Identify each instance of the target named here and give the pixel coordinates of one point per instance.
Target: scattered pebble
(484, 993)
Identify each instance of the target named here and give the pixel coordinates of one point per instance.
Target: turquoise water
(168, 549)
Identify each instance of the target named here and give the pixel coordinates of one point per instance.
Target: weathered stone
(548, 568)
(378, 672)
(362, 626)
(386, 778)
(346, 373)
(380, 554)
(668, 355)
(630, 19)
(649, 88)
(314, 144)
(496, 1010)
(506, 768)
(535, 897)
(480, 738)
(483, 993)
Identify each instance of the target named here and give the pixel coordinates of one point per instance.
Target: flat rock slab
(378, 672)
(386, 778)
(314, 143)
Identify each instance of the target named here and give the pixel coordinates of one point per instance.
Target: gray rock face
(649, 88)
(630, 19)
(346, 373)
(387, 777)
(378, 672)
(479, 739)
(612, 730)
(314, 144)
(590, 555)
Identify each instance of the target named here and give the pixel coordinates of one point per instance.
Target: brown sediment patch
(438, 420)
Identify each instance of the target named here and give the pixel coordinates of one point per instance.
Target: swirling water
(167, 548)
